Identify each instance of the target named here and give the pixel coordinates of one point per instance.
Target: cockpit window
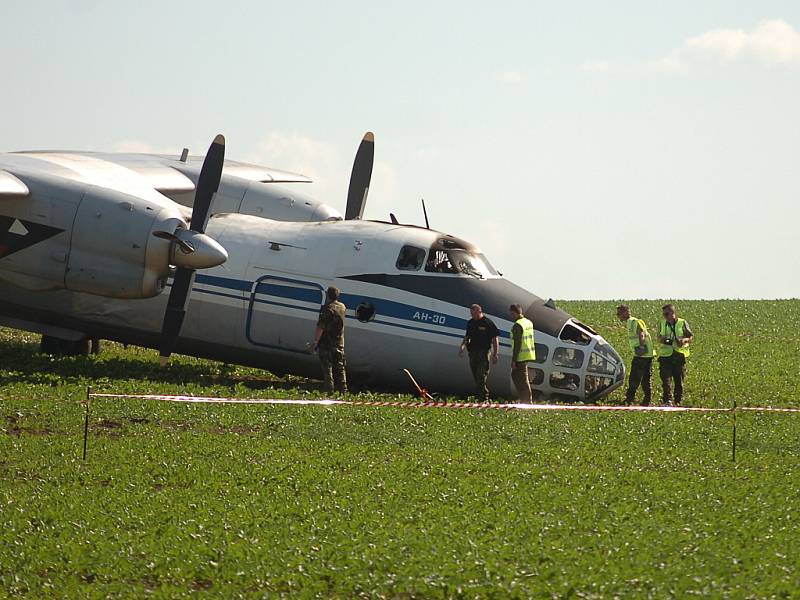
(570, 333)
(458, 261)
(586, 327)
(410, 258)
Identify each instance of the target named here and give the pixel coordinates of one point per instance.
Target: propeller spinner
(191, 248)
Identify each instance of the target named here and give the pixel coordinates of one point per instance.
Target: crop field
(178, 500)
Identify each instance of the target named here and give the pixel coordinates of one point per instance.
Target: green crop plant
(176, 500)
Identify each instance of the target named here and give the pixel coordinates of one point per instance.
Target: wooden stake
(733, 441)
(86, 422)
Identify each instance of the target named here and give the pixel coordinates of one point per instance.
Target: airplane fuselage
(260, 309)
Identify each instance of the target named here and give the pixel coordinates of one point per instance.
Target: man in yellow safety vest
(522, 352)
(642, 363)
(674, 336)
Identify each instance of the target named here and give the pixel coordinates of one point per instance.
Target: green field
(252, 501)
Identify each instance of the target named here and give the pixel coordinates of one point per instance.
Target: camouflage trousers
(334, 368)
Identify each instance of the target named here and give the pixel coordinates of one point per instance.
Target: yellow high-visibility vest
(633, 326)
(527, 349)
(666, 330)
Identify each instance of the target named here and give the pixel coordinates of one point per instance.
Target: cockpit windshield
(458, 261)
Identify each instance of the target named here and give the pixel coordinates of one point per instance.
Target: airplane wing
(168, 173)
(11, 187)
(238, 169)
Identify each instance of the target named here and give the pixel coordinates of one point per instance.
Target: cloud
(511, 76)
(772, 42)
(317, 159)
(427, 154)
(596, 66)
(140, 146)
(328, 166)
(296, 152)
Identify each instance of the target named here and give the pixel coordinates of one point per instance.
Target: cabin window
(410, 258)
(565, 381)
(568, 357)
(570, 333)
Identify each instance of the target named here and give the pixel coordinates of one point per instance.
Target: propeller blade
(207, 186)
(208, 183)
(360, 178)
(176, 311)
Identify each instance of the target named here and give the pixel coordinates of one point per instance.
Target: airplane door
(282, 312)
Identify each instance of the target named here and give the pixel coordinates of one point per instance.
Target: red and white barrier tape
(434, 404)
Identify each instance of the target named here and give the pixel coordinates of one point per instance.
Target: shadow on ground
(23, 363)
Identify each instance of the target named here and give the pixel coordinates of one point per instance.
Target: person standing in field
(329, 342)
(674, 337)
(481, 344)
(522, 352)
(643, 353)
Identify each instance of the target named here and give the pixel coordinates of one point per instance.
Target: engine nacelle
(113, 251)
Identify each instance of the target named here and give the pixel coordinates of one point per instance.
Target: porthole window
(365, 312)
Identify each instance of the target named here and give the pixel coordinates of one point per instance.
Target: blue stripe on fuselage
(383, 307)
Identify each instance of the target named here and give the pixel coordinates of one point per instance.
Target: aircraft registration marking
(426, 317)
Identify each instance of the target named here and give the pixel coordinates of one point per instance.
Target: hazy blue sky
(593, 150)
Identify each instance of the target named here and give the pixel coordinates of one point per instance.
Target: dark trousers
(672, 369)
(479, 365)
(641, 369)
(333, 369)
(520, 378)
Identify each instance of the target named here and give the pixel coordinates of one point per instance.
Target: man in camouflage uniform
(329, 342)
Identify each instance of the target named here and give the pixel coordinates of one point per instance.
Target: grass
(247, 501)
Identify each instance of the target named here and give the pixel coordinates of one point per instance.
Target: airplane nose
(605, 370)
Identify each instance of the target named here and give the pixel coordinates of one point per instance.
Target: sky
(592, 150)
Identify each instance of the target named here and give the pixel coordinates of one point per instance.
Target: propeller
(360, 178)
(192, 249)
